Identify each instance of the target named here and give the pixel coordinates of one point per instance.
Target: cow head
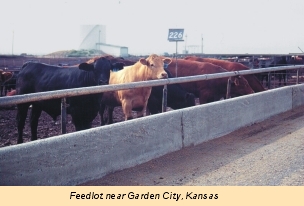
(155, 66)
(240, 86)
(100, 68)
(117, 66)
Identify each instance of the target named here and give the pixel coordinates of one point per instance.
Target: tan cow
(135, 99)
(232, 66)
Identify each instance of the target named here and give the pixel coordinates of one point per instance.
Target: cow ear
(86, 67)
(167, 61)
(143, 61)
(118, 66)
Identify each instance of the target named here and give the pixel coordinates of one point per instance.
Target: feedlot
(270, 152)
(46, 126)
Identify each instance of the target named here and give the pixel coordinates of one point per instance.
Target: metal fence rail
(63, 94)
(18, 99)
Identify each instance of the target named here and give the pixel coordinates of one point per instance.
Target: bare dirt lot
(266, 153)
(46, 126)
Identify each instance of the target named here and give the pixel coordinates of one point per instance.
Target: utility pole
(99, 41)
(202, 44)
(13, 44)
(186, 44)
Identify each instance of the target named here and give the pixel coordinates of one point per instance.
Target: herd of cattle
(38, 77)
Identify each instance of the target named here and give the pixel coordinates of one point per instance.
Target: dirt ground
(269, 153)
(46, 126)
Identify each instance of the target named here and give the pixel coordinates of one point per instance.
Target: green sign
(176, 34)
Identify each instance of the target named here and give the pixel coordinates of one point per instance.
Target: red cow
(233, 66)
(208, 90)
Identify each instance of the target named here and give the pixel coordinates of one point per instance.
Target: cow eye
(152, 65)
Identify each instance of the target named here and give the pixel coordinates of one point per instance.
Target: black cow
(38, 77)
(177, 98)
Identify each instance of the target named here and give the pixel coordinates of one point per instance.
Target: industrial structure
(94, 37)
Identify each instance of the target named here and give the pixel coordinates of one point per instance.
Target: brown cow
(232, 66)
(208, 90)
(136, 99)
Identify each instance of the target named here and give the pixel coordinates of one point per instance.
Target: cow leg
(82, 119)
(21, 116)
(110, 114)
(143, 111)
(205, 97)
(266, 80)
(140, 114)
(285, 77)
(127, 110)
(280, 79)
(101, 113)
(82, 125)
(35, 114)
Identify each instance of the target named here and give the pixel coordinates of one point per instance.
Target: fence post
(63, 115)
(228, 88)
(269, 79)
(164, 101)
(297, 82)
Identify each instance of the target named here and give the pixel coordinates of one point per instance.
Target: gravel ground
(266, 153)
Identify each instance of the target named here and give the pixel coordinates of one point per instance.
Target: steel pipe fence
(18, 99)
(63, 94)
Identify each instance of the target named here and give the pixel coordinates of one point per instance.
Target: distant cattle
(296, 60)
(10, 84)
(208, 90)
(135, 99)
(38, 77)
(4, 77)
(282, 74)
(11, 93)
(233, 66)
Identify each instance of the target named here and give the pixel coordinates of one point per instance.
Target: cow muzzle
(163, 75)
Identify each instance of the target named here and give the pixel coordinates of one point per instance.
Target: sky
(227, 27)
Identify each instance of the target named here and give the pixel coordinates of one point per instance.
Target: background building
(94, 37)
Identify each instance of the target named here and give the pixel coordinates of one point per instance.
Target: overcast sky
(234, 26)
